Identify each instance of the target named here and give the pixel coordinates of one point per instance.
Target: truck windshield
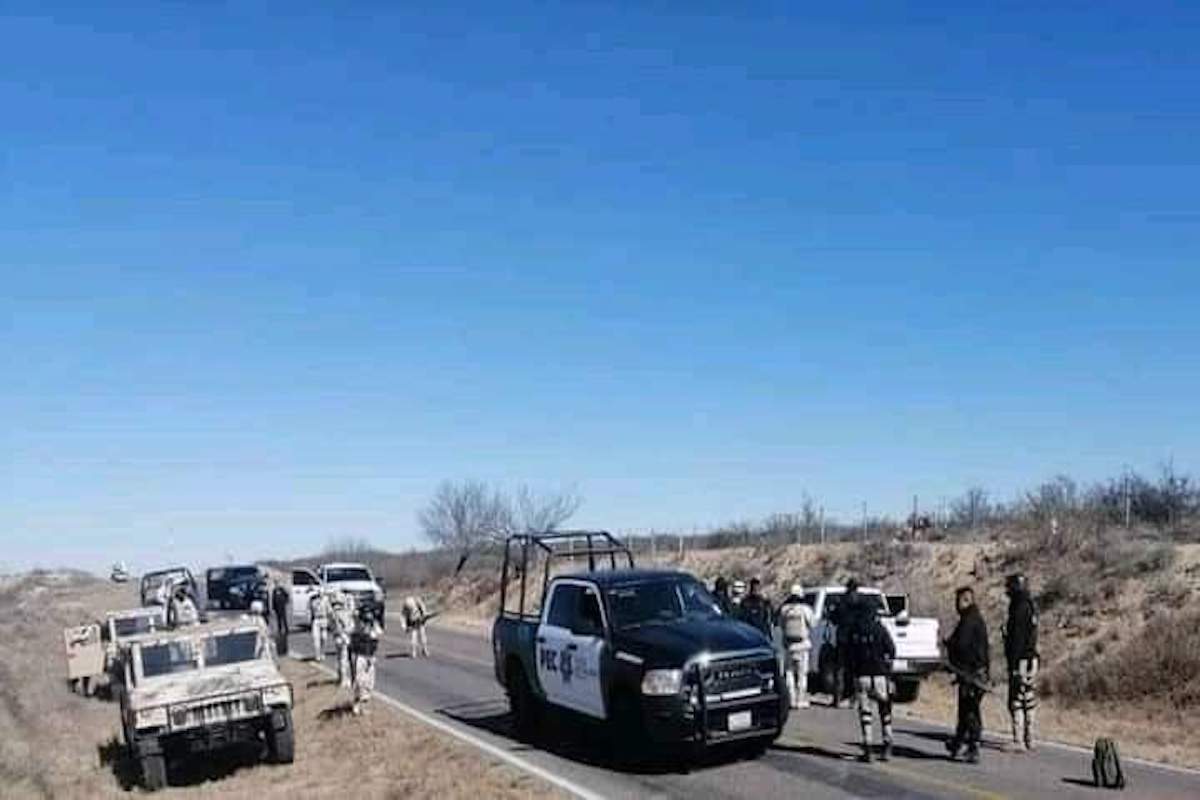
(659, 601)
(337, 574)
(232, 648)
(168, 658)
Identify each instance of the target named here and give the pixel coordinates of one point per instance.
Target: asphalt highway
(815, 758)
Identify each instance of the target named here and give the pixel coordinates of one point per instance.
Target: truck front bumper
(676, 720)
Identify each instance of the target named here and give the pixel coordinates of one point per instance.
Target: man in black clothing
(845, 616)
(721, 592)
(756, 610)
(1021, 655)
(869, 654)
(967, 650)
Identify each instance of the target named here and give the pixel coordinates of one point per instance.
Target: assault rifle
(962, 676)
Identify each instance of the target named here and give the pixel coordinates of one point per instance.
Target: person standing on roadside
(318, 614)
(795, 622)
(364, 641)
(415, 616)
(970, 656)
(756, 609)
(869, 654)
(1021, 655)
(844, 617)
(721, 592)
(280, 599)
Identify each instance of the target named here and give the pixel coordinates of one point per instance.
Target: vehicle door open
(304, 584)
(581, 673)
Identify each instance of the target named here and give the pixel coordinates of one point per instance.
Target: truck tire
(629, 743)
(907, 690)
(525, 707)
(281, 742)
(154, 771)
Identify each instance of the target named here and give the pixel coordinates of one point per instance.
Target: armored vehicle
(201, 688)
(155, 585)
(647, 653)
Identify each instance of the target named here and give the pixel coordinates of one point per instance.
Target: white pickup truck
(353, 579)
(916, 640)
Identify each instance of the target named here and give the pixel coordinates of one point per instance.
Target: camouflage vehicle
(155, 585)
(201, 688)
(119, 629)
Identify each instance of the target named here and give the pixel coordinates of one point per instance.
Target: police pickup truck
(646, 652)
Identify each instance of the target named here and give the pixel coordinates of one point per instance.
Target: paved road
(815, 758)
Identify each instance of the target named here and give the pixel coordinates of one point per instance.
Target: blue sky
(273, 271)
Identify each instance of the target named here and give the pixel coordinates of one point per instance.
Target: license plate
(741, 721)
(899, 665)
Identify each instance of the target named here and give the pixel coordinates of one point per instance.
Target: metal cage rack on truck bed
(595, 546)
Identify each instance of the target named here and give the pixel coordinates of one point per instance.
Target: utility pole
(1127, 490)
(822, 518)
(913, 532)
(864, 521)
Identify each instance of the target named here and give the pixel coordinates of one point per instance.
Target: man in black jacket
(756, 609)
(968, 652)
(1021, 655)
(869, 654)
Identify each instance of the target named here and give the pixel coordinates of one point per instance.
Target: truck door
(304, 584)
(554, 639)
(579, 668)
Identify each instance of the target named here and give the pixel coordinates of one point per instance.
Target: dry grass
(56, 744)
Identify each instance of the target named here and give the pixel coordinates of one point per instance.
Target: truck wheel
(629, 739)
(281, 744)
(907, 690)
(154, 772)
(526, 710)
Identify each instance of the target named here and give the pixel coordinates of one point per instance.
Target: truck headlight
(151, 718)
(662, 681)
(280, 695)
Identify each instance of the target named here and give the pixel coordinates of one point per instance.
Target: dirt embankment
(57, 744)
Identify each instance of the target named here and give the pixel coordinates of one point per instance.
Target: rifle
(968, 678)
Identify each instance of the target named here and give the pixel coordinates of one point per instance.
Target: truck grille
(744, 677)
(214, 713)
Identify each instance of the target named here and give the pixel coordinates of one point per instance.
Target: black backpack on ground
(1106, 765)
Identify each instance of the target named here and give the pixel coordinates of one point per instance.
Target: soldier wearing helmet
(796, 622)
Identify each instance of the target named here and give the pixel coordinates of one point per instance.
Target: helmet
(1014, 583)
(739, 587)
(852, 584)
(797, 589)
(256, 606)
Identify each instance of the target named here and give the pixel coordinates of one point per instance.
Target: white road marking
(565, 784)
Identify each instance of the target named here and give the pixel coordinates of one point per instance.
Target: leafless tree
(533, 512)
(464, 514)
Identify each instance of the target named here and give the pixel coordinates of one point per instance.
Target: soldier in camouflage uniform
(1020, 651)
(318, 607)
(342, 625)
(364, 641)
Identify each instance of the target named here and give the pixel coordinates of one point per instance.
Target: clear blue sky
(271, 272)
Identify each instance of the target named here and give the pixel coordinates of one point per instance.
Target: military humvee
(201, 688)
(120, 628)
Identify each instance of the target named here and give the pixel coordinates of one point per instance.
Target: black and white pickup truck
(646, 652)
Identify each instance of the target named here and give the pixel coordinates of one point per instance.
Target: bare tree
(531, 512)
(464, 514)
(972, 509)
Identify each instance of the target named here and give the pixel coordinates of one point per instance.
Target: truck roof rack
(558, 545)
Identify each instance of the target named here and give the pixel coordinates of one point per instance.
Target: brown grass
(56, 744)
